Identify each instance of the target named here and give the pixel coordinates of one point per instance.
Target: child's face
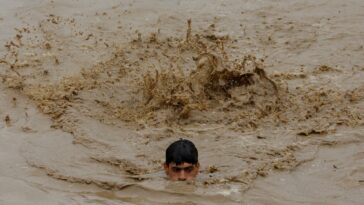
(181, 172)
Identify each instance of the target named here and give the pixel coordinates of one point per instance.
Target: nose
(182, 176)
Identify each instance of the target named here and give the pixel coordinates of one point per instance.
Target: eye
(176, 169)
(189, 169)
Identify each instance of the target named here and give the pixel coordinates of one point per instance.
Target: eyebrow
(183, 168)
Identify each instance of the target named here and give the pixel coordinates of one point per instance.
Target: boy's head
(181, 160)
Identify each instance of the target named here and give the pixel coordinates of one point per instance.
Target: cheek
(168, 170)
(173, 176)
(193, 173)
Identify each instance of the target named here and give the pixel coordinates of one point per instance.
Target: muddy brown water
(271, 92)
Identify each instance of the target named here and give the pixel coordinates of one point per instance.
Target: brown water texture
(271, 93)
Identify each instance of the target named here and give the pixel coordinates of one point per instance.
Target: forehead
(183, 165)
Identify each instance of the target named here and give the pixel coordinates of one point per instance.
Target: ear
(197, 169)
(165, 167)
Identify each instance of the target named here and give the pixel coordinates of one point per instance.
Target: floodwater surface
(92, 93)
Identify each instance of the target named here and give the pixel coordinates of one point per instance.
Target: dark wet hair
(182, 151)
